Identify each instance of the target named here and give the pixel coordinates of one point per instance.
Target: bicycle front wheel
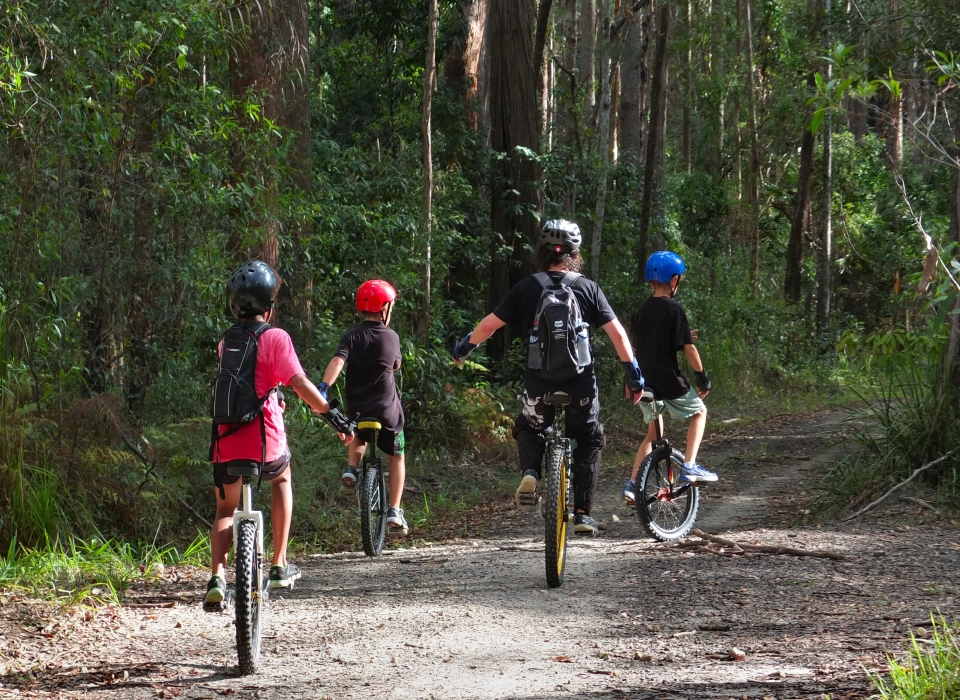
(248, 600)
(373, 510)
(666, 505)
(555, 515)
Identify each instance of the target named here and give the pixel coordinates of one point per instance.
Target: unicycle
(554, 506)
(372, 490)
(666, 504)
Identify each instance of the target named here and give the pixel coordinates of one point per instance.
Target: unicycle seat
(369, 424)
(555, 398)
(243, 467)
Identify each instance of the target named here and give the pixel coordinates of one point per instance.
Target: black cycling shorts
(389, 442)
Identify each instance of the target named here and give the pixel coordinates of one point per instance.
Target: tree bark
(588, 52)
(543, 23)
(606, 72)
(429, 81)
(895, 116)
(753, 170)
(793, 278)
(686, 131)
(463, 59)
(651, 206)
(825, 256)
(633, 92)
(516, 199)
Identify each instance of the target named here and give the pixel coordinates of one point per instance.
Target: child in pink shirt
(251, 293)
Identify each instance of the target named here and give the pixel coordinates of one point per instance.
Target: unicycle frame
(663, 442)
(367, 431)
(245, 511)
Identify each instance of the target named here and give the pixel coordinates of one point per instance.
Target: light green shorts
(684, 408)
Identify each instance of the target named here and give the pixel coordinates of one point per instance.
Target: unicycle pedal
(221, 606)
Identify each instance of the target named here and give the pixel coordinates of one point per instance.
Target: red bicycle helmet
(373, 294)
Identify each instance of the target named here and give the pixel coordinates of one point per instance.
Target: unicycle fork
(250, 591)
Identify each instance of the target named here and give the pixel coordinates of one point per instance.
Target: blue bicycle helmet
(662, 266)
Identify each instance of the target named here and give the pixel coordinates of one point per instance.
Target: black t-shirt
(372, 354)
(520, 304)
(660, 330)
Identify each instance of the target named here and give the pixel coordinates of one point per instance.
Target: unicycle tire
(555, 516)
(666, 506)
(248, 599)
(373, 510)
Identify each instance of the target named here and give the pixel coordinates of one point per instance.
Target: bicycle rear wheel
(373, 510)
(555, 515)
(248, 600)
(666, 506)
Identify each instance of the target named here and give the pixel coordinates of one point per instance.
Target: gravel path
(473, 618)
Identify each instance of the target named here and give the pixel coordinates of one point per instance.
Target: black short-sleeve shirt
(660, 330)
(520, 304)
(372, 354)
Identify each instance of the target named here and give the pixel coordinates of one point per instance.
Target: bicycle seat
(369, 424)
(557, 397)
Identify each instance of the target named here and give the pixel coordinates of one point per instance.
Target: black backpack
(233, 394)
(559, 345)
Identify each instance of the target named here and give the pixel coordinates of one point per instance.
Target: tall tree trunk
(540, 39)
(686, 135)
(588, 52)
(652, 200)
(571, 129)
(633, 92)
(429, 81)
(793, 278)
(895, 115)
(462, 65)
(753, 171)
(516, 196)
(606, 73)
(825, 256)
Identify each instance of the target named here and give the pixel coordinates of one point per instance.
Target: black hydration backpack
(559, 345)
(233, 395)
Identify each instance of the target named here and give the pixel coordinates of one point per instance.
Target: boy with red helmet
(371, 353)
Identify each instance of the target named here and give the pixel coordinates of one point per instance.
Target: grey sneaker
(396, 523)
(629, 492)
(348, 482)
(526, 495)
(584, 525)
(284, 576)
(216, 593)
(694, 473)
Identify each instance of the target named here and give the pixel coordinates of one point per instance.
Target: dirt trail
(473, 618)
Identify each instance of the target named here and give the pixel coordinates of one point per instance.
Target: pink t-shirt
(277, 363)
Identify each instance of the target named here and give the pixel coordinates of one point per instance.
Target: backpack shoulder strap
(569, 278)
(544, 279)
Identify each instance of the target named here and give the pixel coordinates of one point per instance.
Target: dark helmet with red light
(373, 294)
(562, 235)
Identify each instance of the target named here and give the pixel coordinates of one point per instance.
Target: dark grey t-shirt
(660, 330)
(520, 304)
(372, 354)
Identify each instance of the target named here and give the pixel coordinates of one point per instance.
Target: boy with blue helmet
(665, 332)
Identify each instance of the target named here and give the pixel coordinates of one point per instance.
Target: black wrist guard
(703, 381)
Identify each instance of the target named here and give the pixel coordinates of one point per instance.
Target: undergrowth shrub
(931, 670)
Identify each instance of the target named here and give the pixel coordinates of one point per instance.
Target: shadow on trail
(120, 678)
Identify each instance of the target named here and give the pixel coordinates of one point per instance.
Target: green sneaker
(216, 592)
(283, 576)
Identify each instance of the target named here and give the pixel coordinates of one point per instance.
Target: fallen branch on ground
(922, 503)
(767, 548)
(901, 485)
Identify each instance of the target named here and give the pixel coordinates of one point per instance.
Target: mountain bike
(250, 588)
(666, 504)
(555, 506)
(372, 490)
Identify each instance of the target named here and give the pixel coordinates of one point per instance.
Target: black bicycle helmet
(561, 234)
(252, 289)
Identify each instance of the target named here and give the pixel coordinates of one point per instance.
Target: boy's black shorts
(271, 470)
(389, 442)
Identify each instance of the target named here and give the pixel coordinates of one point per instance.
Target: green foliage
(931, 670)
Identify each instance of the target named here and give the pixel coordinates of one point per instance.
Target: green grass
(91, 571)
(931, 670)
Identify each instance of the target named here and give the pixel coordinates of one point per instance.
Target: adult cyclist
(559, 257)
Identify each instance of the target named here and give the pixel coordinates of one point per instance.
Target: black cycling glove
(338, 421)
(463, 348)
(703, 381)
(632, 377)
